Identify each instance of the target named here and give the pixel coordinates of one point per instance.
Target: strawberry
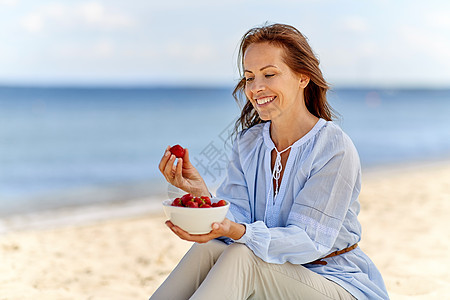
(178, 151)
(186, 198)
(192, 204)
(206, 199)
(199, 200)
(177, 202)
(221, 203)
(205, 206)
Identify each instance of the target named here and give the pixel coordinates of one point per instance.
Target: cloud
(438, 19)
(430, 44)
(354, 24)
(190, 52)
(104, 48)
(9, 2)
(33, 22)
(91, 15)
(96, 14)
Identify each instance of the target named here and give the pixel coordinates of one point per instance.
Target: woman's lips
(265, 100)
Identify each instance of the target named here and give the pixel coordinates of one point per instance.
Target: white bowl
(195, 220)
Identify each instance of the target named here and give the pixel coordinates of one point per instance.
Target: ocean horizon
(63, 146)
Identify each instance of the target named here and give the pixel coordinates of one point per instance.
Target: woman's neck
(286, 132)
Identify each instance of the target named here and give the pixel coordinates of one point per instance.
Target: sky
(179, 42)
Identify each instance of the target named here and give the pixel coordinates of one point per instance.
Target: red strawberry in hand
(178, 151)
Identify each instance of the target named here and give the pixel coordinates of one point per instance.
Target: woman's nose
(258, 85)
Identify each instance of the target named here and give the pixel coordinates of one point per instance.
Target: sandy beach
(125, 252)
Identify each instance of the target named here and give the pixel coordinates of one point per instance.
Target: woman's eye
(269, 75)
(248, 79)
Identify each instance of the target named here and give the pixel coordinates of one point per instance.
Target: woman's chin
(266, 116)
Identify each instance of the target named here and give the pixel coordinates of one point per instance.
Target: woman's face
(271, 86)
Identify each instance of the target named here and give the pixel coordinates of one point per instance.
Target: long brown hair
(299, 56)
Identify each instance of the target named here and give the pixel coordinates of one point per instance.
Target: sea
(72, 146)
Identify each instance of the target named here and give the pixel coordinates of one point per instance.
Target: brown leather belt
(335, 253)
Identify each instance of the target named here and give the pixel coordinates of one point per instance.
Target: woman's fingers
(169, 169)
(164, 159)
(187, 162)
(178, 231)
(184, 235)
(186, 156)
(179, 170)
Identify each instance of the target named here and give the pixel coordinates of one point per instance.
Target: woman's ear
(304, 80)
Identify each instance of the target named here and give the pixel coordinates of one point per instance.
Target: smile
(264, 100)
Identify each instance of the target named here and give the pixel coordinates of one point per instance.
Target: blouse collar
(269, 143)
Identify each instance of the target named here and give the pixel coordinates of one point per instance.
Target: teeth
(264, 100)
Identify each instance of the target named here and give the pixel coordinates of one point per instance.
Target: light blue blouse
(315, 211)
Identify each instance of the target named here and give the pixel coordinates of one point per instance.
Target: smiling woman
(274, 88)
(305, 64)
(293, 183)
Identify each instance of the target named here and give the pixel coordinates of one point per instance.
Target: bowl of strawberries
(195, 214)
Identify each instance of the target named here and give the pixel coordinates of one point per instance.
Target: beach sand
(404, 213)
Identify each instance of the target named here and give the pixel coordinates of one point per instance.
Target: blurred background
(92, 92)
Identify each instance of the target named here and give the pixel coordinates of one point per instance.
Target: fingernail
(215, 226)
(167, 153)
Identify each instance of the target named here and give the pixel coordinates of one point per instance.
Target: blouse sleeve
(317, 213)
(234, 189)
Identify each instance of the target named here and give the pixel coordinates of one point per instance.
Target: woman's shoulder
(333, 133)
(332, 143)
(332, 140)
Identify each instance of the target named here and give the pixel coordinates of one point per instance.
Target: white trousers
(216, 270)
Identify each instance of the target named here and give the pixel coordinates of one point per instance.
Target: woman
(293, 183)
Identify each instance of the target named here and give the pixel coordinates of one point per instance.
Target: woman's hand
(225, 228)
(183, 175)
